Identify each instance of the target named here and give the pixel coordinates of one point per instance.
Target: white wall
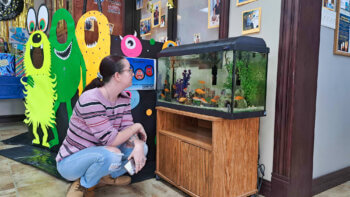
(332, 124)
(270, 25)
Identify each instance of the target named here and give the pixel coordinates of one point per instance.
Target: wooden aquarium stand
(205, 155)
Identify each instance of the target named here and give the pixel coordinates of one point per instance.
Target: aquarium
(223, 78)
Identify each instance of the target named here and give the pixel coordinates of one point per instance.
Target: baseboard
(11, 118)
(330, 180)
(265, 188)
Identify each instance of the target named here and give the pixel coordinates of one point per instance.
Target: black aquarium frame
(241, 43)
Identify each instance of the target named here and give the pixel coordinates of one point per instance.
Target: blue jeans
(93, 163)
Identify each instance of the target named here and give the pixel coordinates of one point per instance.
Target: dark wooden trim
(11, 118)
(224, 19)
(131, 20)
(330, 180)
(296, 98)
(172, 22)
(265, 189)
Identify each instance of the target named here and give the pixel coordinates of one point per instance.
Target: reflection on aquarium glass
(214, 79)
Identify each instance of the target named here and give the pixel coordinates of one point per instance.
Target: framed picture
(342, 29)
(242, 2)
(330, 4)
(156, 14)
(162, 21)
(139, 4)
(214, 7)
(145, 27)
(251, 21)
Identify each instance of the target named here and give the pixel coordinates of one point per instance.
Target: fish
(162, 95)
(239, 98)
(166, 90)
(182, 99)
(203, 100)
(216, 98)
(196, 98)
(213, 100)
(174, 86)
(199, 91)
(202, 82)
(165, 82)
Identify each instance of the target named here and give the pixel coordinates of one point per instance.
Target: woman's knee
(113, 149)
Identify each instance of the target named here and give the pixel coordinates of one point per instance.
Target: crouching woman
(102, 136)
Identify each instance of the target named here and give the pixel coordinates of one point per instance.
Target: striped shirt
(95, 122)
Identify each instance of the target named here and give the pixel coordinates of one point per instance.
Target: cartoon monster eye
(31, 20)
(43, 16)
(130, 43)
(169, 43)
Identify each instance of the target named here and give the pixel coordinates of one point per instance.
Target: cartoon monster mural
(40, 86)
(94, 53)
(130, 45)
(67, 61)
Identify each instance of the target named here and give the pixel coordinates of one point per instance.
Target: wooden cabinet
(207, 156)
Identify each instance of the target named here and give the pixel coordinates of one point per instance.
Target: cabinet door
(168, 160)
(196, 169)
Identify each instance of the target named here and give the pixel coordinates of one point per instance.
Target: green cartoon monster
(40, 86)
(67, 62)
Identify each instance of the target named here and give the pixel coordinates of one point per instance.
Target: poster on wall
(145, 26)
(342, 30)
(139, 4)
(330, 4)
(144, 73)
(251, 21)
(156, 14)
(242, 2)
(214, 7)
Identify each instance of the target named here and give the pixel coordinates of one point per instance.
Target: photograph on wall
(344, 4)
(251, 21)
(242, 2)
(139, 4)
(196, 38)
(145, 26)
(342, 29)
(330, 4)
(214, 7)
(156, 14)
(162, 21)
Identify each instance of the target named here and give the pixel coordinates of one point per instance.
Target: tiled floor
(17, 179)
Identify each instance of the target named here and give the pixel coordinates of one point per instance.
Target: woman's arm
(128, 133)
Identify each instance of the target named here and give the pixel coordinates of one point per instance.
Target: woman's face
(126, 73)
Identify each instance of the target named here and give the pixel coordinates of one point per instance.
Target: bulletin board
(342, 29)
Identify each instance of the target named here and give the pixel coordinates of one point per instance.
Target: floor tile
(50, 188)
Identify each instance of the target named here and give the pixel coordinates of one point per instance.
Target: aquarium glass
(250, 81)
(197, 80)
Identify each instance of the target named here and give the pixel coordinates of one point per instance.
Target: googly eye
(43, 16)
(31, 20)
(130, 43)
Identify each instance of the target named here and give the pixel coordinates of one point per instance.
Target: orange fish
(166, 90)
(202, 82)
(199, 91)
(203, 100)
(162, 95)
(174, 86)
(216, 97)
(165, 82)
(239, 98)
(213, 100)
(196, 98)
(182, 99)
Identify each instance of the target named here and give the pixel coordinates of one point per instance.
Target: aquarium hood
(241, 43)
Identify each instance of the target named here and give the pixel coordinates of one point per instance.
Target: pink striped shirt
(95, 122)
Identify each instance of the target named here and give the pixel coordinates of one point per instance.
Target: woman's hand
(138, 155)
(142, 132)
